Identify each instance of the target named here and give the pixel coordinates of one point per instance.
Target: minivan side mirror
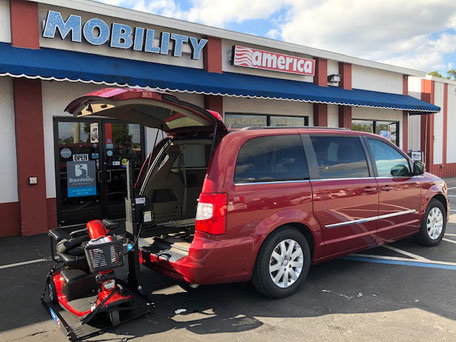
(418, 168)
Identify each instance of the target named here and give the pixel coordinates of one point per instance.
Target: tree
(435, 74)
(451, 74)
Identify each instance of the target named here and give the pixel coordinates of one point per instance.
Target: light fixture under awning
(62, 65)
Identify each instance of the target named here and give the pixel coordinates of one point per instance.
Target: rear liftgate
(98, 321)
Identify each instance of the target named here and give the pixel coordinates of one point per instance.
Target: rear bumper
(210, 260)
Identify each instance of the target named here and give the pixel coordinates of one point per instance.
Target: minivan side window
(340, 157)
(271, 158)
(389, 162)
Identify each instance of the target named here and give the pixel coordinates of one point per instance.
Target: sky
(417, 34)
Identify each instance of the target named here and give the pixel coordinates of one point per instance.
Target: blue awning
(61, 65)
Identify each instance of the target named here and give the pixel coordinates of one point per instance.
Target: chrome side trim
(373, 218)
(273, 182)
(339, 179)
(412, 211)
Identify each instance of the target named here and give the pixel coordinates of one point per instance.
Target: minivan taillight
(211, 213)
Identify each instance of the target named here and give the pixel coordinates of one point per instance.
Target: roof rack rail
(250, 128)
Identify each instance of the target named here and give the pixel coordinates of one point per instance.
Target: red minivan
(263, 204)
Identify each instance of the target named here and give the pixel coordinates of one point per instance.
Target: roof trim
(138, 16)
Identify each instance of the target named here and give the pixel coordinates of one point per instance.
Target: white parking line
(451, 195)
(448, 240)
(453, 188)
(400, 251)
(22, 263)
(449, 234)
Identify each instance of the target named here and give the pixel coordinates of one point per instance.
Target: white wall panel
(257, 106)
(5, 28)
(438, 124)
(56, 96)
(333, 67)
(333, 116)
(376, 80)
(8, 178)
(451, 131)
(414, 132)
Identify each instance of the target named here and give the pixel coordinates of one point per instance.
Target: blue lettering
(103, 34)
(121, 36)
(54, 22)
(178, 41)
(139, 39)
(164, 43)
(197, 47)
(150, 37)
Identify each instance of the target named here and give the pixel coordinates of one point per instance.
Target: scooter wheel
(52, 293)
(114, 317)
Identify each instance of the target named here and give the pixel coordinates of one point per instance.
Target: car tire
(114, 317)
(282, 263)
(433, 226)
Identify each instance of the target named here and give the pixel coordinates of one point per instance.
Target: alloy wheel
(285, 263)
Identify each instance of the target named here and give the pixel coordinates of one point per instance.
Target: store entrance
(91, 157)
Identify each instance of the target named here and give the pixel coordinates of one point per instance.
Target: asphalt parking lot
(400, 292)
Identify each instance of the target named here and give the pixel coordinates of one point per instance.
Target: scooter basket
(104, 256)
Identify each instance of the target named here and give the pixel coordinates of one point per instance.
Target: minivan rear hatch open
(149, 108)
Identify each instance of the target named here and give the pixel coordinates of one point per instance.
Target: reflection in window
(340, 157)
(387, 129)
(389, 162)
(271, 158)
(240, 121)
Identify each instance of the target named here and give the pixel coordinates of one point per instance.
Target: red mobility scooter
(82, 293)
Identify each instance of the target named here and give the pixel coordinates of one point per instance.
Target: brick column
(212, 62)
(320, 110)
(405, 116)
(28, 111)
(345, 112)
(25, 31)
(427, 124)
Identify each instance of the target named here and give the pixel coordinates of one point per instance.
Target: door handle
(370, 189)
(110, 175)
(387, 188)
(99, 176)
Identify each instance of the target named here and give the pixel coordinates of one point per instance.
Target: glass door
(78, 169)
(91, 158)
(122, 142)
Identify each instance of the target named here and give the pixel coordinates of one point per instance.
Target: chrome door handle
(99, 176)
(370, 189)
(110, 175)
(387, 188)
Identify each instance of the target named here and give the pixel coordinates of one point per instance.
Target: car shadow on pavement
(334, 287)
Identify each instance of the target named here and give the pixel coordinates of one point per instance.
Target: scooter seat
(74, 261)
(72, 253)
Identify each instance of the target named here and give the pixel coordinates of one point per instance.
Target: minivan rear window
(340, 157)
(271, 158)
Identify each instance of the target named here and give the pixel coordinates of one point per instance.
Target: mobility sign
(97, 32)
(81, 179)
(267, 60)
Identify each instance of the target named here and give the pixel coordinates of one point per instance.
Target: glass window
(387, 130)
(291, 121)
(363, 126)
(271, 158)
(340, 157)
(239, 121)
(389, 162)
(194, 156)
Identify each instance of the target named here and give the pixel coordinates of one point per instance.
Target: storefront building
(59, 170)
